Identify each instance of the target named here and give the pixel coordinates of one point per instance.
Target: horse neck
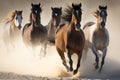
(57, 21)
(33, 22)
(98, 25)
(72, 23)
(38, 18)
(12, 25)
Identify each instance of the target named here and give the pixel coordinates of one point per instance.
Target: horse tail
(88, 24)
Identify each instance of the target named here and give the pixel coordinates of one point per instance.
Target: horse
(34, 33)
(12, 26)
(70, 37)
(54, 23)
(98, 35)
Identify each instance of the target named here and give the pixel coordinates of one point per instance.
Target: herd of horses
(64, 31)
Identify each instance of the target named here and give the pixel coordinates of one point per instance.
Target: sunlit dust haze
(23, 60)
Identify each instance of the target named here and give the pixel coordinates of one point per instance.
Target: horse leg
(78, 64)
(61, 53)
(70, 61)
(44, 49)
(96, 59)
(103, 57)
(85, 51)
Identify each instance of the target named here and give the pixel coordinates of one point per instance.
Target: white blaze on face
(56, 14)
(36, 11)
(103, 19)
(77, 12)
(18, 20)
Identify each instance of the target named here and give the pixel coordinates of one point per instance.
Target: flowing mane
(9, 17)
(67, 15)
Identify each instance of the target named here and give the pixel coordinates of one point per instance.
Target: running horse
(54, 23)
(98, 36)
(34, 33)
(12, 26)
(70, 37)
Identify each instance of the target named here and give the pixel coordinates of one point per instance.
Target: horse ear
(32, 4)
(15, 11)
(80, 5)
(99, 7)
(60, 8)
(73, 5)
(21, 11)
(106, 7)
(39, 4)
(52, 8)
(95, 13)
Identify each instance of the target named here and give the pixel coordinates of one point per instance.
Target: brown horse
(54, 23)
(34, 33)
(14, 21)
(69, 37)
(98, 37)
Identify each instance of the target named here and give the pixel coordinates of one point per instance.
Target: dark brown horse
(97, 36)
(34, 33)
(69, 37)
(54, 23)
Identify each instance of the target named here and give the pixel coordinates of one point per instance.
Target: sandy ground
(22, 63)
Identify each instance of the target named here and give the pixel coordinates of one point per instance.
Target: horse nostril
(78, 25)
(102, 23)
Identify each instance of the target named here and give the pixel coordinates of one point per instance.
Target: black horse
(54, 23)
(34, 33)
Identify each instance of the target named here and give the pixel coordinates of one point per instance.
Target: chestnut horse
(54, 23)
(98, 36)
(34, 33)
(12, 27)
(69, 37)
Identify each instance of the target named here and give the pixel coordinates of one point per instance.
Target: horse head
(101, 15)
(35, 14)
(56, 15)
(77, 15)
(18, 18)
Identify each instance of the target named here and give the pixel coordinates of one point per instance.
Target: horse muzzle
(77, 27)
(103, 24)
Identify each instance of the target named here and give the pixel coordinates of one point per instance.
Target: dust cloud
(22, 60)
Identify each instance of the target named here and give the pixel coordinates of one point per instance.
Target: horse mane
(67, 15)
(9, 17)
(31, 17)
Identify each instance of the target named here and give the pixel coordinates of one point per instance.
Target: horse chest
(100, 39)
(75, 40)
(35, 34)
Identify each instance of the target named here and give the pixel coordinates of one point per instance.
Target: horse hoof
(75, 72)
(99, 71)
(96, 66)
(67, 69)
(71, 69)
